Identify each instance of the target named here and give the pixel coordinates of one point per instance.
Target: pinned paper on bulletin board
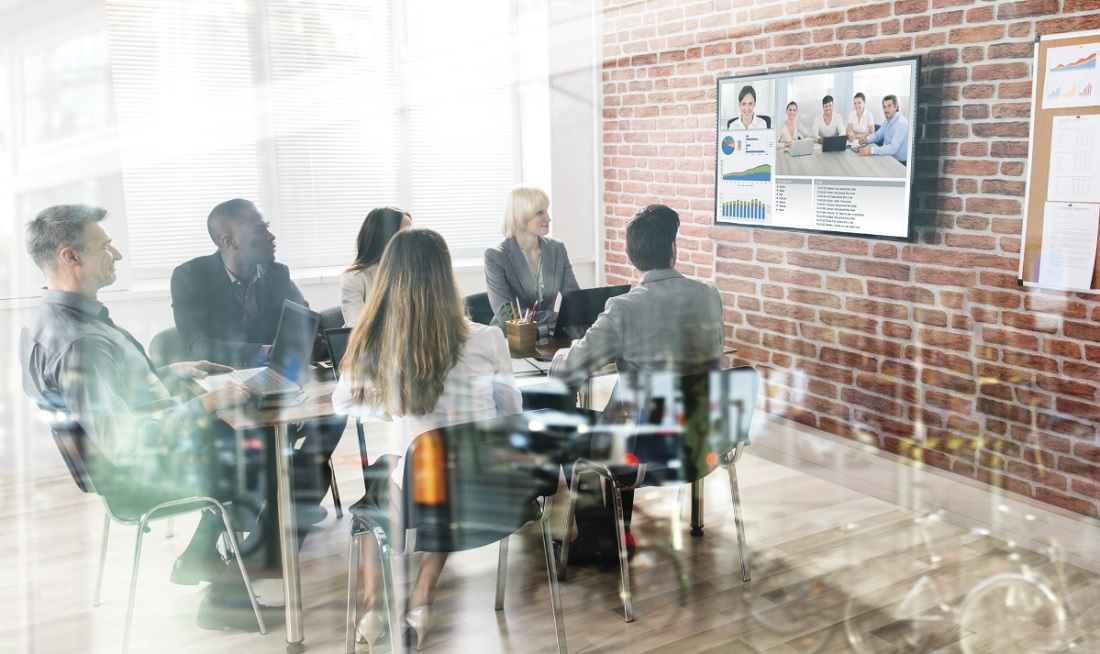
(1060, 247)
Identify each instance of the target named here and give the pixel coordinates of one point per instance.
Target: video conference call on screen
(789, 153)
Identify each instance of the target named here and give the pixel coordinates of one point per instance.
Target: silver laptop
(288, 364)
(801, 147)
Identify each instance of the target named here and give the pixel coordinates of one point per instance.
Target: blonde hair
(413, 329)
(524, 201)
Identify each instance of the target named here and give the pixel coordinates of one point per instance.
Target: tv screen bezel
(914, 126)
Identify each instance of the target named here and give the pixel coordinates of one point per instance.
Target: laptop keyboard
(265, 381)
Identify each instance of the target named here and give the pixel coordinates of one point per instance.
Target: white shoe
(370, 627)
(421, 619)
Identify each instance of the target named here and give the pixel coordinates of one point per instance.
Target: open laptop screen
(579, 309)
(293, 345)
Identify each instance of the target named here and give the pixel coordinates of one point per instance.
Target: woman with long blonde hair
(415, 356)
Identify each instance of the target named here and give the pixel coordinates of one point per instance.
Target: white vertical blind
(304, 107)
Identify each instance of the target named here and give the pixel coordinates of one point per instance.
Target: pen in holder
(521, 335)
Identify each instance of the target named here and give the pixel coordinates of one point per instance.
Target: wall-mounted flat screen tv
(819, 149)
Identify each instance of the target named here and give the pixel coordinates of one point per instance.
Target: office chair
(467, 486)
(85, 464)
(684, 427)
(337, 342)
(478, 308)
(168, 347)
(332, 318)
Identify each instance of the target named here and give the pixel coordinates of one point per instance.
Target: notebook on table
(288, 364)
(579, 309)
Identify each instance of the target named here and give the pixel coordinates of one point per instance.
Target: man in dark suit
(227, 307)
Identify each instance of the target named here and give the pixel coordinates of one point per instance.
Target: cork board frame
(1042, 126)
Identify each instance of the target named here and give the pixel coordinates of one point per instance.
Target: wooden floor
(830, 567)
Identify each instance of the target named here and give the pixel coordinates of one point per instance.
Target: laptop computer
(288, 363)
(579, 309)
(834, 143)
(801, 147)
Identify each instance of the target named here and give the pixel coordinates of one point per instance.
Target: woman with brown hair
(374, 235)
(416, 357)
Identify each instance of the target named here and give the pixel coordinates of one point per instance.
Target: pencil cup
(521, 335)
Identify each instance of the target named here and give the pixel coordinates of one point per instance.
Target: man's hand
(231, 395)
(863, 140)
(865, 151)
(196, 369)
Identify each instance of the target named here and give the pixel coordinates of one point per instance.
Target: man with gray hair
(144, 445)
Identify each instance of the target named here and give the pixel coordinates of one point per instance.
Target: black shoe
(604, 555)
(218, 613)
(191, 568)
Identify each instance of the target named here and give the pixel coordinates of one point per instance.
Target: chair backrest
(478, 308)
(681, 426)
(167, 347)
(337, 342)
(767, 120)
(331, 318)
(473, 484)
(70, 440)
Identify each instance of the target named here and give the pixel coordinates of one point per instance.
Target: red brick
(1004, 410)
(983, 34)
(1001, 299)
(883, 309)
(792, 311)
(1061, 500)
(849, 359)
(893, 44)
(1082, 371)
(792, 345)
(1031, 321)
(941, 338)
(1027, 9)
(888, 387)
(1066, 387)
(864, 400)
(895, 271)
(1011, 338)
(1068, 349)
(840, 244)
(1081, 330)
(856, 31)
(813, 297)
(1031, 361)
(773, 324)
(831, 51)
(821, 20)
(849, 321)
(809, 260)
(913, 294)
(872, 345)
(897, 330)
(933, 317)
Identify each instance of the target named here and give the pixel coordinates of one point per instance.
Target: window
(319, 110)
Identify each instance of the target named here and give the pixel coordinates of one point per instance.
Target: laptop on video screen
(801, 147)
(834, 143)
(579, 309)
(288, 363)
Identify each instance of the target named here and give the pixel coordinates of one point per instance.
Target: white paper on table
(1068, 253)
(1074, 159)
(1072, 77)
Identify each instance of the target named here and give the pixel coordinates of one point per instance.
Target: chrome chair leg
(393, 616)
(739, 522)
(567, 537)
(102, 559)
(232, 540)
(334, 489)
(168, 530)
(133, 586)
(353, 589)
(555, 599)
(624, 563)
(502, 572)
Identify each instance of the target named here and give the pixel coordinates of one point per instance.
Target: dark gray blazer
(507, 277)
(666, 322)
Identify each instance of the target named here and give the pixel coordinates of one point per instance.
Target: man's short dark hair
(826, 100)
(221, 216)
(57, 227)
(892, 98)
(649, 237)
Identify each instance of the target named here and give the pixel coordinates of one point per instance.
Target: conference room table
(317, 404)
(846, 163)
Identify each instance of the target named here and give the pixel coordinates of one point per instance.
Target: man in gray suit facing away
(666, 323)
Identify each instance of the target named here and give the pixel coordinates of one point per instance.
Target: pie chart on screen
(727, 145)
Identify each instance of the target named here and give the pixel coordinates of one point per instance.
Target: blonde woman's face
(539, 224)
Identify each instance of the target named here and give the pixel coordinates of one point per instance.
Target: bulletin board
(1062, 202)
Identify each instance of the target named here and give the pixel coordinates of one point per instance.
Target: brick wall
(928, 349)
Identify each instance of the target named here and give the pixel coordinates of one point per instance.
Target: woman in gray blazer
(527, 265)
